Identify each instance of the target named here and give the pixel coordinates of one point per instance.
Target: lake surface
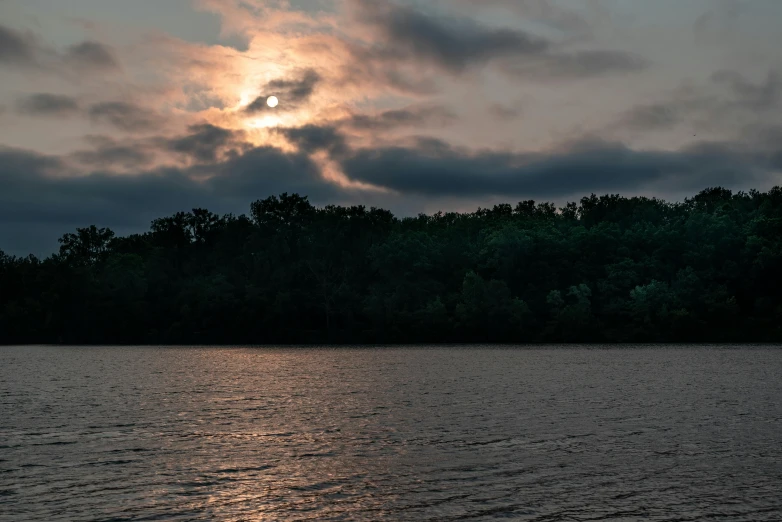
(547, 434)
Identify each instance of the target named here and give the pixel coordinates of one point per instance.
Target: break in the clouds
(142, 110)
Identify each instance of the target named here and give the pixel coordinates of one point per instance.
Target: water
(548, 434)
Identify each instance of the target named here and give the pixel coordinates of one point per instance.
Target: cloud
(45, 104)
(651, 116)
(580, 64)
(407, 117)
(205, 142)
(745, 102)
(125, 116)
(290, 92)
(37, 207)
(407, 35)
(297, 90)
(27, 50)
(581, 168)
(451, 43)
(756, 97)
(91, 54)
(16, 48)
(108, 154)
(551, 14)
(313, 138)
(504, 113)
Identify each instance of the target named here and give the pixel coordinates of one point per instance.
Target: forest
(606, 269)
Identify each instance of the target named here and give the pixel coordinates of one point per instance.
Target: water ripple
(404, 434)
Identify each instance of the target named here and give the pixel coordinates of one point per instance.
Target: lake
(411, 433)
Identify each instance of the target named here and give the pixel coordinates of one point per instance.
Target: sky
(115, 113)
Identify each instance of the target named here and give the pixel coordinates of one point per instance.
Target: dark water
(546, 434)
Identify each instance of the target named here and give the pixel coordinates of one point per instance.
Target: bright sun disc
(272, 101)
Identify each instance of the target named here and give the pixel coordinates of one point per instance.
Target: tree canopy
(606, 269)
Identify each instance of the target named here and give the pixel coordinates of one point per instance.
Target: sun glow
(266, 121)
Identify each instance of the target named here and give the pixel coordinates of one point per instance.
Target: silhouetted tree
(605, 269)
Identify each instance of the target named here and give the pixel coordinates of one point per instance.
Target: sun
(272, 101)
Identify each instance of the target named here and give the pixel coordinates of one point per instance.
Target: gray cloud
(756, 97)
(313, 138)
(37, 208)
(556, 16)
(454, 44)
(740, 101)
(451, 43)
(297, 90)
(201, 144)
(107, 153)
(205, 142)
(580, 64)
(581, 168)
(595, 63)
(16, 48)
(92, 54)
(501, 112)
(26, 50)
(409, 116)
(651, 116)
(43, 204)
(290, 92)
(366, 68)
(124, 116)
(46, 104)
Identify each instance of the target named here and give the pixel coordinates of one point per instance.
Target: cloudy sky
(115, 112)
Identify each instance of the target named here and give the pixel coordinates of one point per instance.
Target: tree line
(606, 269)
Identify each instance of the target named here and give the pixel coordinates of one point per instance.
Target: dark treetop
(606, 269)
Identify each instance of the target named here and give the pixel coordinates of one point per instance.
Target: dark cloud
(759, 97)
(296, 90)
(454, 44)
(313, 138)
(107, 153)
(368, 69)
(26, 49)
(46, 104)
(205, 142)
(16, 162)
(125, 116)
(410, 116)
(651, 116)
(290, 92)
(92, 54)
(741, 100)
(555, 16)
(596, 63)
(504, 113)
(36, 208)
(582, 168)
(258, 105)
(201, 144)
(580, 64)
(16, 48)
(450, 43)
(764, 136)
